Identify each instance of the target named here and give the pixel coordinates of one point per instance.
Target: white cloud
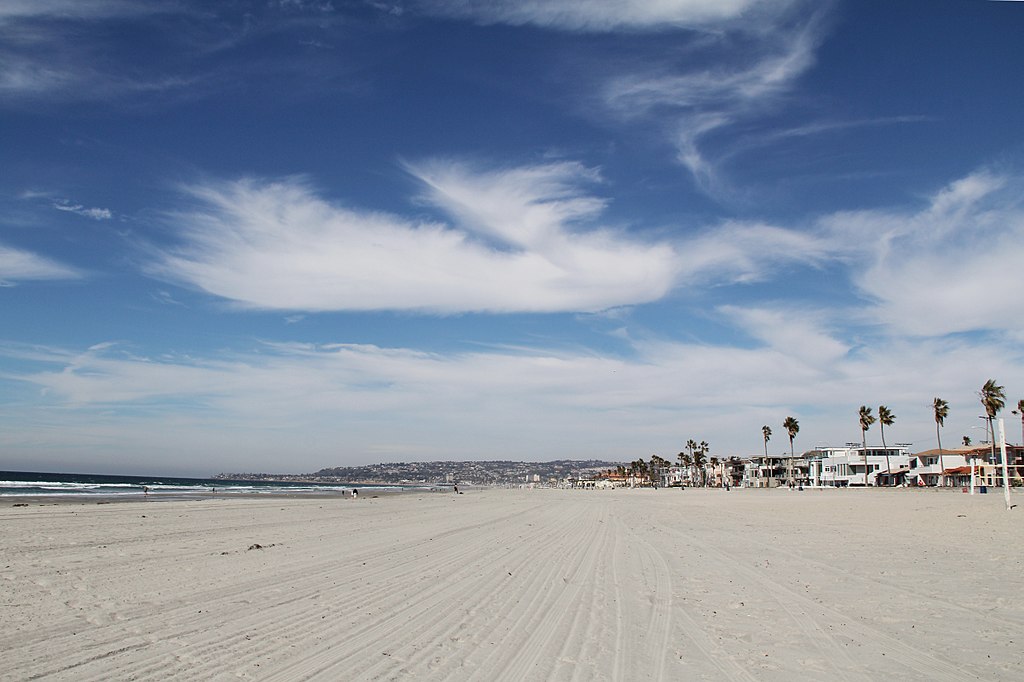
(526, 239)
(298, 407)
(746, 252)
(953, 266)
(51, 48)
(520, 245)
(749, 75)
(78, 209)
(801, 333)
(18, 264)
(602, 15)
(69, 9)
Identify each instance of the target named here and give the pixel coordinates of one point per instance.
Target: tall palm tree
(885, 418)
(993, 398)
(704, 449)
(685, 461)
(941, 408)
(1020, 411)
(766, 431)
(698, 464)
(866, 420)
(792, 427)
(967, 441)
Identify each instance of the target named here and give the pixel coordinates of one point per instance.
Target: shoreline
(161, 497)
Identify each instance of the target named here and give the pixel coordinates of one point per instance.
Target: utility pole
(1006, 471)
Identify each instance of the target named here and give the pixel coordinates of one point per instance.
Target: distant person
(145, 490)
(355, 494)
(456, 490)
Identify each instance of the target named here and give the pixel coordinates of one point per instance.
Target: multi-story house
(853, 465)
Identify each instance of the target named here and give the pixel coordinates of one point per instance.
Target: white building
(852, 465)
(925, 468)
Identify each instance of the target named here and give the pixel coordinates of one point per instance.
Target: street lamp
(985, 428)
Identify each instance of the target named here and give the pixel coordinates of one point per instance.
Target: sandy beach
(518, 585)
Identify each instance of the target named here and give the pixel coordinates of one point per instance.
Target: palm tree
(713, 462)
(766, 431)
(941, 408)
(704, 449)
(698, 463)
(685, 461)
(792, 427)
(658, 464)
(885, 418)
(993, 398)
(866, 420)
(967, 441)
(1020, 411)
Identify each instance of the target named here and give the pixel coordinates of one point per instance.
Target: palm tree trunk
(942, 467)
(766, 460)
(885, 449)
(791, 461)
(992, 440)
(864, 443)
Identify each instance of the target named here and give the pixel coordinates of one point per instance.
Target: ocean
(14, 484)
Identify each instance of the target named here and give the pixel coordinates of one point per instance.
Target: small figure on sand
(355, 494)
(145, 490)
(456, 490)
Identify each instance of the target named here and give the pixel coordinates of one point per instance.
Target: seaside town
(850, 465)
(968, 466)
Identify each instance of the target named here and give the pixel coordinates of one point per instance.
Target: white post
(1006, 473)
(973, 461)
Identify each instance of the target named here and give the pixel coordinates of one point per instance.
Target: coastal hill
(496, 472)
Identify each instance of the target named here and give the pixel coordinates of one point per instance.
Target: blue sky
(289, 234)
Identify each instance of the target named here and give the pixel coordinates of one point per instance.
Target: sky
(281, 235)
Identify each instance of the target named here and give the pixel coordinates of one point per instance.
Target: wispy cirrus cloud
(20, 265)
(71, 9)
(533, 403)
(523, 239)
(603, 15)
(61, 50)
(56, 49)
(79, 209)
(951, 266)
(728, 82)
(735, 61)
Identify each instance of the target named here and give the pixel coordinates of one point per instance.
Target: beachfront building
(675, 476)
(989, 470)
(957, 464)
(927, 470)
(764, 472)
(842, 467)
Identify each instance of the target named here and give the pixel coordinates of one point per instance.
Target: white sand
(519, 585)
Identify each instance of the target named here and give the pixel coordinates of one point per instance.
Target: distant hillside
(484, 472)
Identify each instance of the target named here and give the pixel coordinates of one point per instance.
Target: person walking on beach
(355, 494)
